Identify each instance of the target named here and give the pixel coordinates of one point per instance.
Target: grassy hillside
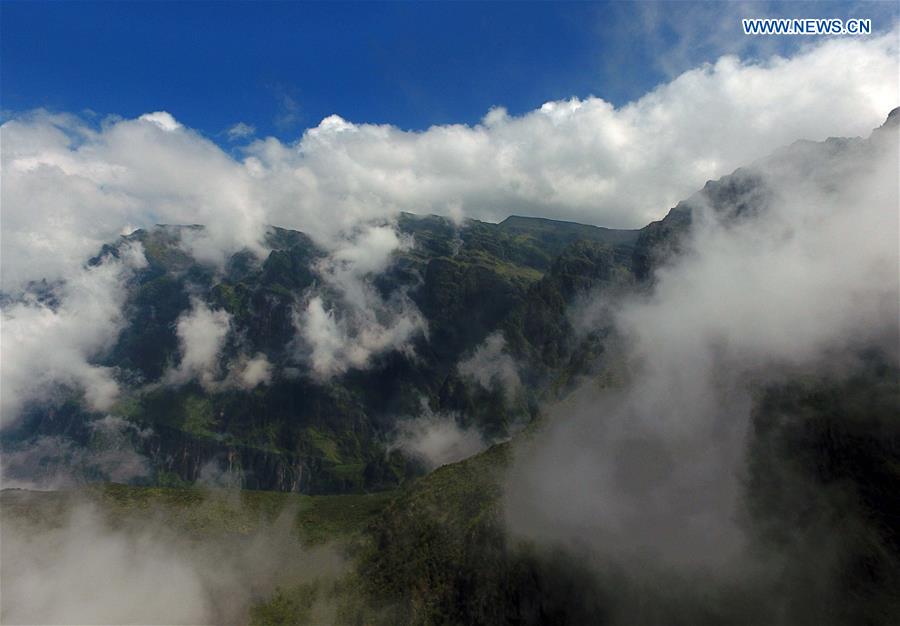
(201, 512)
(823, 463)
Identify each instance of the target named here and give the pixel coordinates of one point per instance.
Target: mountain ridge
(464, 284)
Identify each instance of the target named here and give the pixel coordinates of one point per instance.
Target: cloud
(585, 160)
(254, 372)
(68, 186)
(436, 439)
(53, 342)
(361, 323)
(490, 366)
(240, 131)
(201, 336)
(77, 567)
(650, 471)
(163, 119)
(59, 462)
(289, 112)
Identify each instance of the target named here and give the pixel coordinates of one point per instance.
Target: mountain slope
(300, 431)
(494, 298)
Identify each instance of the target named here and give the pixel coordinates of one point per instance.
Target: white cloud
(364, 324)
(253, 372)
(653, 469)
(68, 187)
(46, 346)
(163, 119)
(436, 439)
(201, 336)
(319, 328)
(240, 130)
(490, 366)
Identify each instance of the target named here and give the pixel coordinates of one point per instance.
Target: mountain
(818, 505)
(501, 292)
(313, 434)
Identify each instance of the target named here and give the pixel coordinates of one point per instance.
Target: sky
(279, 68)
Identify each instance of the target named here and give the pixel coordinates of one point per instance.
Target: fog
(58, 462)
(490, 366)
(649, 471)
(81, 569)
(436, 439)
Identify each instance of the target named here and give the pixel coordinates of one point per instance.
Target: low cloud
(358, 323)
(436, 439)
(201, 336)
(82, 569)
(491, 367)
(650, 471)
(250, 373)
(51, 339)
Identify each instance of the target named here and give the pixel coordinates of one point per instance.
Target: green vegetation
(822, 476)
(820, 507)
(301, 433)
(203, 512)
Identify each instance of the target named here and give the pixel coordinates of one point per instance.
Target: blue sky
(282, 67)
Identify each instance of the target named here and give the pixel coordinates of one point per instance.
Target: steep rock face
(178, 459)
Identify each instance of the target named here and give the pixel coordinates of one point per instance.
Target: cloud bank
(650, 471)
(68, 187)
(83, 569)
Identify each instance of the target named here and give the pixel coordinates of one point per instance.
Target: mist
(77, 567)
(50, 462)
(346, 322)
(490, 366)
(436, 439)
(795, 279)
